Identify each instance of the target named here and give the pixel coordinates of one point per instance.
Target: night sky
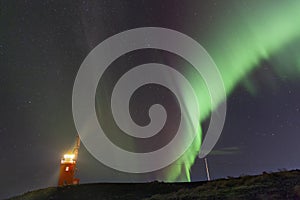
(43, 43)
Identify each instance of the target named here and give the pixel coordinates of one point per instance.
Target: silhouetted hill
(279, 185)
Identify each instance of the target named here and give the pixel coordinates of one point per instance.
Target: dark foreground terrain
(279, 185)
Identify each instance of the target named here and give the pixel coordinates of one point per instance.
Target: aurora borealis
(240, 42)
(255, 45)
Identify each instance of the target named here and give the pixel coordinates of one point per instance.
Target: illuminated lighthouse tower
(68, 167)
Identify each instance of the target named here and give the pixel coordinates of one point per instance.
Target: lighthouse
(68, 167)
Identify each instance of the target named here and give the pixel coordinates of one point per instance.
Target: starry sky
(43, 43)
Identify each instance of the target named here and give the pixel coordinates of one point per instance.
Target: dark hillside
(279, 185)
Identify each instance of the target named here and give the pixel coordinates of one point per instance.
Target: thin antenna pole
(207, 171)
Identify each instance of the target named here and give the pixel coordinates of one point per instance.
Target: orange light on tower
(68, 167)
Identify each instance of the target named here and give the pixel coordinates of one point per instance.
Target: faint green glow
(252, 32)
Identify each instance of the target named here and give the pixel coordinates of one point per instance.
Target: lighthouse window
(67, 169)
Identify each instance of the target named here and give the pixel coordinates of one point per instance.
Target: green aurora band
(254, 31)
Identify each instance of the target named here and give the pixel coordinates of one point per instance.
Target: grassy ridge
(279, 185)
